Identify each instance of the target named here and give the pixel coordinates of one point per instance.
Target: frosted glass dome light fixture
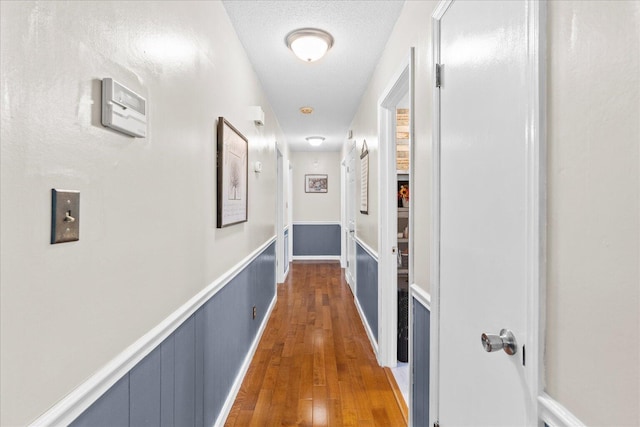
(309, 44)
(315, 140)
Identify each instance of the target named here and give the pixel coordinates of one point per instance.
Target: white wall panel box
(123, 109)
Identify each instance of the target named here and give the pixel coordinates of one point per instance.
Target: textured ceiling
(334, 85)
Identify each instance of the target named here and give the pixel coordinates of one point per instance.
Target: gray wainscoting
(286, 250)
(421, 328)
(186, 379)
(367, 287)
(316, 239)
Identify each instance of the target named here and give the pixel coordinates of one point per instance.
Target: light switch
(65, 216)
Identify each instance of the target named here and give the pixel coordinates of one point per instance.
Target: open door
(350, 230)
(489, 208)
(281, 246)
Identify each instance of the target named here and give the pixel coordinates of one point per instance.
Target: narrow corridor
(314, 364)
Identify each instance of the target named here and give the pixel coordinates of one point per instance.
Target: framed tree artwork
(232, 164)
(364, 179)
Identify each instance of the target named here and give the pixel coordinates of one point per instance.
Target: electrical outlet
(254, 311)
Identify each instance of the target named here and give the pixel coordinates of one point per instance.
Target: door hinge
(436, 424)
(438, 75)
(347, 264)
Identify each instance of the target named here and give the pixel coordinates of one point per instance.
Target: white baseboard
(317, 223)
(231, 397)
(367, 328)
(80, 399)
(316, 257)
(554, 414)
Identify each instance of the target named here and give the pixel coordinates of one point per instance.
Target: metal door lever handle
(505, 341)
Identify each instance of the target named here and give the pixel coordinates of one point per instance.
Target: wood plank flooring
(314, 365)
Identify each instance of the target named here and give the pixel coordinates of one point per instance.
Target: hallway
(200, 153)
(314, 364)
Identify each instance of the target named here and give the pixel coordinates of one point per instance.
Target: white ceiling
(334, 85)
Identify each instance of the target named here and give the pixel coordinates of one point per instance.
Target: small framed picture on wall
(316, 183)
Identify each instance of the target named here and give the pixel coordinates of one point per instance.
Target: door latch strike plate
(438, 75)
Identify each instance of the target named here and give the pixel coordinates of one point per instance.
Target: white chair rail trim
(554, 414)
(79, 400)
(421, 296)
(367, 248)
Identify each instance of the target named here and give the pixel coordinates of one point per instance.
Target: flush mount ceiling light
(306, 110)
(309, 44)
(315, 140)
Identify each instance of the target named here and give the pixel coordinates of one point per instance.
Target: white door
(280, 219)
(489, 211)
(289, 215)
(351, 220)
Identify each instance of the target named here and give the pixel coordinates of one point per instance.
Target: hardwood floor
(314, 365)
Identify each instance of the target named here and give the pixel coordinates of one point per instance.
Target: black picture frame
(232, 161)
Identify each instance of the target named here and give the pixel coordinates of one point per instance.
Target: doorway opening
(282, 263)
(288, 230)
(395, 268)
(349, 173)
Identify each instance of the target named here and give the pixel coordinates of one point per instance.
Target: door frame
(280, 267)
(400, 83)
(289, 218)
(348, 197)
(343, 213)
(536, 206)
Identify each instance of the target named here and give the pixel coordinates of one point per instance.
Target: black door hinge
(438, 75)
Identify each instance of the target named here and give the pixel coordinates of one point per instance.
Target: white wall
(593, 333)
(593, 304)
(148, 240)
(321, 207)
(413, 29)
